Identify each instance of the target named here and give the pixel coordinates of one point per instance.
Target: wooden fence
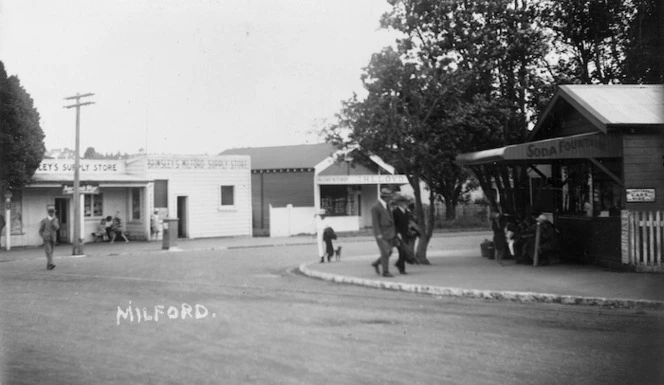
(643, 232)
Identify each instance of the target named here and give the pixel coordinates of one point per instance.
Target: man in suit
(383, 230)
(402, 218)
(48, 228)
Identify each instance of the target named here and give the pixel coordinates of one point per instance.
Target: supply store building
(595, 163)
(292, 183)
(210, 195)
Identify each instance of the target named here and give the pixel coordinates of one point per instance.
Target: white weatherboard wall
(199, 178)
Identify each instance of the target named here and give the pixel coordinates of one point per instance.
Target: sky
(189, 76)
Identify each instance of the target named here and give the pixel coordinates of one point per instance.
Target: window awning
(582, 146)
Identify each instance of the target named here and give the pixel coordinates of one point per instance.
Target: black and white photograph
(332, 192)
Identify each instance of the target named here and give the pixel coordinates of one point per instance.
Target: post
(537, 244)
(77, 249)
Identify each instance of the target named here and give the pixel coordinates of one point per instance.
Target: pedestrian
(47, 230)
(321, 225)
(383, 230)
(117, 229)
(2, 227)
(402, 219)
(155, 225)
(328, 236)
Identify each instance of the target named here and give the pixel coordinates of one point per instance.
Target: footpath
(457, 269)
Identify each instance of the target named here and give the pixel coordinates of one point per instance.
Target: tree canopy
(21, 136)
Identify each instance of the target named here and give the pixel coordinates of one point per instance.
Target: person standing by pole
(48, 228)
(383, 230)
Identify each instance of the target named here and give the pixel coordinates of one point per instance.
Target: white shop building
(210, 196)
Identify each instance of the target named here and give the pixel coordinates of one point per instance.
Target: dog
(337, 254)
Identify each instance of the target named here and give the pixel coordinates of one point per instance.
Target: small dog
(337, 254)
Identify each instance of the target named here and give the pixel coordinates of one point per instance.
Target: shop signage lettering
(362, 179)
(59, 166)
(564, 146)
(83, 189)
(199, 164)
(640, 194)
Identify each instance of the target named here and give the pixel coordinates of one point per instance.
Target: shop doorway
(62, 212)
(183, 211)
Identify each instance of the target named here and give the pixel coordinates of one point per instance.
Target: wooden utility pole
(78, 249)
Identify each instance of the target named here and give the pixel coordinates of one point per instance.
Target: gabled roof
(611, 105)
(285, 157)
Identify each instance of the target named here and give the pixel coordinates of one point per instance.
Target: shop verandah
(596, 172)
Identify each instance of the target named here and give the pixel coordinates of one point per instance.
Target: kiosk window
(93, 205)
(587, 190)
(227, 195)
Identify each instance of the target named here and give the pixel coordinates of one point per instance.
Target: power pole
(77, 250)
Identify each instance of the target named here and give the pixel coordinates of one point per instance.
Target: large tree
(21, 137)
(607, 41)
(415, 118)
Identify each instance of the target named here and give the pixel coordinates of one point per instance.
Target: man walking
(402, 219)
(383, 230)
(48, 228)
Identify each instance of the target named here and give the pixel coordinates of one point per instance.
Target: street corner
(341, 276)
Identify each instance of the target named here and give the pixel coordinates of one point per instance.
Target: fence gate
(642, 240)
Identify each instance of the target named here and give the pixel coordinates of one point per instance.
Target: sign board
(640, 194)
(202, 163)
(594, 145)
(86, 166)
(362, 179)
(83, 189)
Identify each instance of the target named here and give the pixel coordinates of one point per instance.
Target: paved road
(266, 324)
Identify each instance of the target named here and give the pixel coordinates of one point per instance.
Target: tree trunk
(450, 210)
(425, 231)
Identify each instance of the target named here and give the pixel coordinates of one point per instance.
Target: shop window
(339, 200)
(93, 205)
(227, 196)
(136, 207)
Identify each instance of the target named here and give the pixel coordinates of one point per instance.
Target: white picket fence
(645, 234)
(289, 220)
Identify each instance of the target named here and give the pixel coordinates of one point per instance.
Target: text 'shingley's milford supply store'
(210, 196)
(292, 183)
(595, 163)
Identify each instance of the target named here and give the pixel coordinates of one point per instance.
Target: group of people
(393, 227)
(110, 228)
(517, 238)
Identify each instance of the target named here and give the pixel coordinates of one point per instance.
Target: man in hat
(383, 230)
(402, 218)
(48, 228)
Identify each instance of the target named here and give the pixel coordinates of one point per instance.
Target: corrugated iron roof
(285, 157)
(620, 104)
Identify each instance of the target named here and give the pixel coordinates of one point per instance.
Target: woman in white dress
(321, 224)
